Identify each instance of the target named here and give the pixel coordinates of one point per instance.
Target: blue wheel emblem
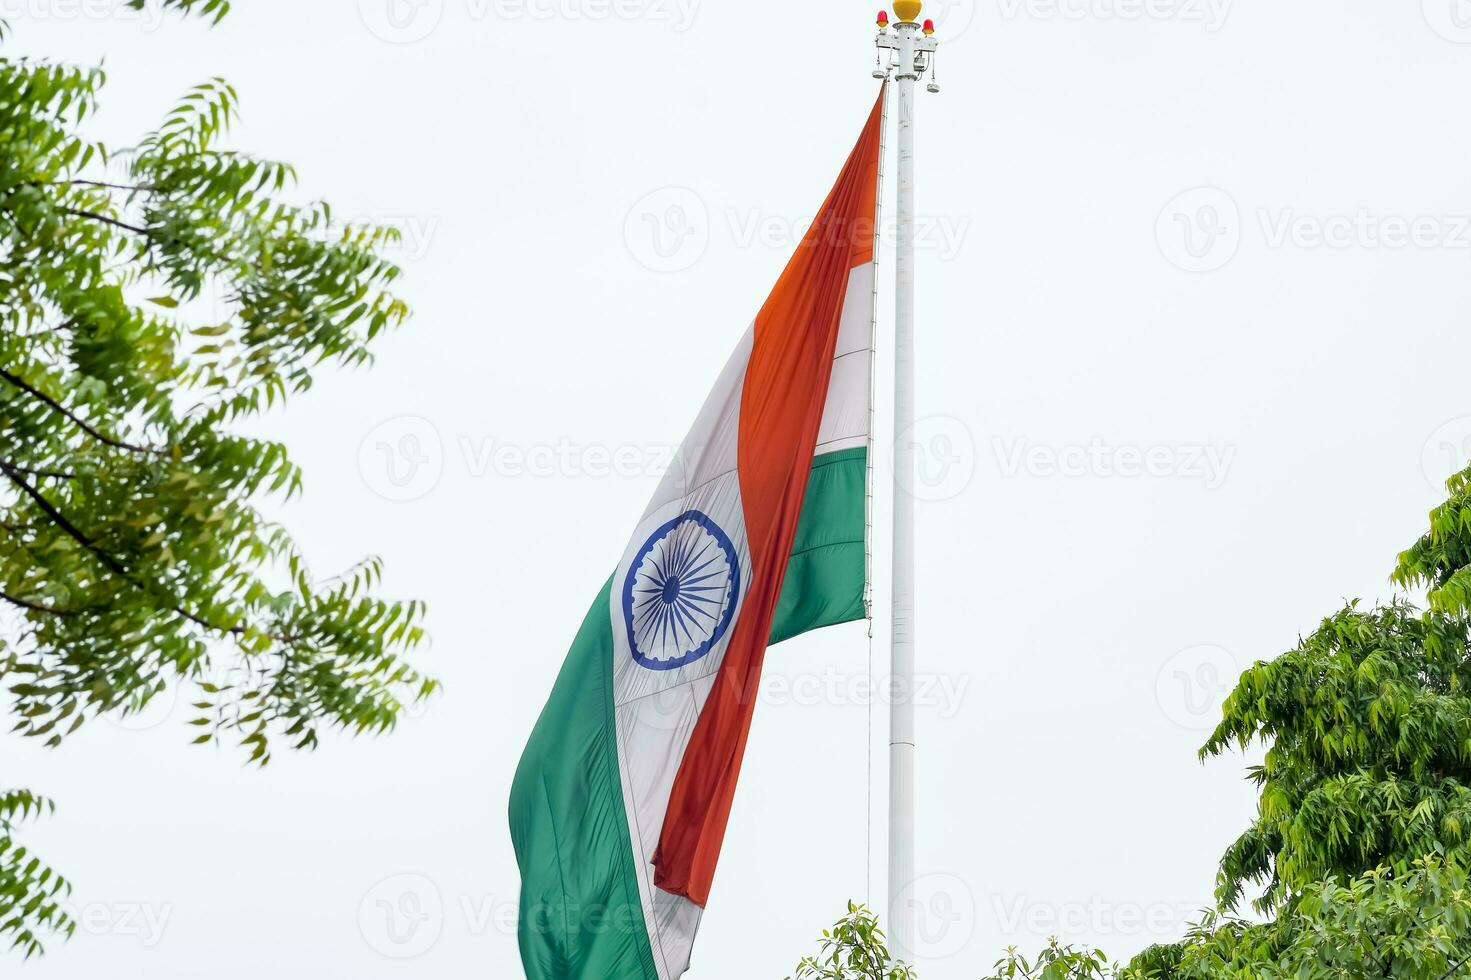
(680, 593)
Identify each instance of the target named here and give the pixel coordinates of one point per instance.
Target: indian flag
(758, 533)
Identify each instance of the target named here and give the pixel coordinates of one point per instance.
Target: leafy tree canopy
(1056, 962)
(853, 949)
(1363, 829)
(1411, 925)
(1368, 723)
(153, 298)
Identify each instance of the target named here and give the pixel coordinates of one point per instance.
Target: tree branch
(47, 474)
(85, 427)
(94, 216)
(37, 607)
(136, 189)
(112, 563)
(60, 520)
(1451, 972)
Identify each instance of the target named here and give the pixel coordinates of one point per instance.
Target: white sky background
(1080, 624)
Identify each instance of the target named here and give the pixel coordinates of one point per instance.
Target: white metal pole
(901, 728)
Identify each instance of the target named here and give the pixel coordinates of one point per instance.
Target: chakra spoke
(674, 611)
(705, 565)
(690, 607)
(693, 557)
(704, 577)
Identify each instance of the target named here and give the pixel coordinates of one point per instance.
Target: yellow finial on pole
(908, 10)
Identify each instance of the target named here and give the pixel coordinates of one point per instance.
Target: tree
(1369, 725)
(153, 299)
(1412, 924)
(1360, 839)
(853, 949)
(1360, 845)
(1056, 962)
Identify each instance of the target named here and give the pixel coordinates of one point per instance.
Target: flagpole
(912, 49)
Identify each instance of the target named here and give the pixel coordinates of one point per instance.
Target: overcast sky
(1193, 288)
